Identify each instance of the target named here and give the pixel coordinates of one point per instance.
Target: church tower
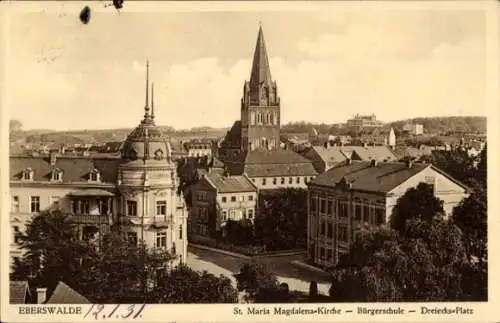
(260, 104)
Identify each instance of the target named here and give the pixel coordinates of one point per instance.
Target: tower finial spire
(146, 107)
(152, 100)
(261, 73)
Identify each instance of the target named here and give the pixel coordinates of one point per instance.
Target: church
(137, 190)
(252, 147)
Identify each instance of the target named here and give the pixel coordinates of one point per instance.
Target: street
(296, 278)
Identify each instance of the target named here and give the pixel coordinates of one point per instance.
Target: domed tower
(152, 210)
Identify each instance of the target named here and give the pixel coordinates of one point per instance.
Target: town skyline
(326, 73)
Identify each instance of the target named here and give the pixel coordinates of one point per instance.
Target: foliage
(255, 280)
(53, 252)
(423, 262)
(456, 163)
(282, 219)
(239, 232)
(416, 203)
(184, 285)
(482, 167)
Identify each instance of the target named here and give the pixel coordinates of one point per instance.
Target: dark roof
(230, 184)
(259, 157)
(278, 170)
(63, 294)
(18, 290)
(378, 153)
(331, 154)
(75, 169)
(381, 178)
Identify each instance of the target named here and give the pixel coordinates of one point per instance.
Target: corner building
(137, 189)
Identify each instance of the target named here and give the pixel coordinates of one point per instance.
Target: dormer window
(28, 174)
(94, 176)
(57, 175)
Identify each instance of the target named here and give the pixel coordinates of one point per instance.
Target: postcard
(249, 161)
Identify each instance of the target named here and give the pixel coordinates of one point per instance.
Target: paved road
(296, 278)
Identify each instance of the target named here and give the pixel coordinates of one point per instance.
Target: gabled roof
(281, 170)
(259, 157)
(378, 153)
(18, 291)
(331, 154)
(230, 184)
(381, 178)
(63, 294)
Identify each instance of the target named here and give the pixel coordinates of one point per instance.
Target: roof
(378, 153)
(381, 178)
(331, 154)
(75, 168)
(18, 291)
(230, 184)
(281, 170)
(261, 73)
(217, 163)
(259, 157)
(63, 294)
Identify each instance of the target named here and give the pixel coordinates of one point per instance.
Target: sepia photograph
(211, 153)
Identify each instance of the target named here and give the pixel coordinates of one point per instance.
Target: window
(322, 204)
(94, 176)
(28, 175)
(224, 215)
(343, 209)
(250, 197)
(357, 212)
(314, 200)
(161, 207)
(366, 213)
(298, 180)
(329, 207)
(329, 254)
(322, 253)
(282, 180)
(250, 213)
(17, 234)
(380, 216)
(263, 182)
(233, 198)
(329, 230)
(201, 196)
(311, 178)
(161, 239)
(305, 180)
(275, 181)
(57, 175)
(35, 204)
(15, 204)
(322, 228)
(131, 208)
(342, 233)
(224, 199)
(232, 214)
(132, 238)
(180, 232)
(54, 201)
(85, 207)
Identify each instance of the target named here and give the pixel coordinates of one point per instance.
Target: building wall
(254, 131)
(199, 152)
(363, 208)
(276, 182)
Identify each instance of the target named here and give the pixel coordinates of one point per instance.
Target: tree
(281, 220)
(456, 163)
(239, 232)
(184, 285)
(53, 252)
(255, 279)
(416, 203)
(125, 272)
(423, 262)
(482, 168)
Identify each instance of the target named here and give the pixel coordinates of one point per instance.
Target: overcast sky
(328, 64)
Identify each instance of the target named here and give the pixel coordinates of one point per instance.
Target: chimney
(41, 295)
(373, 163)
(53, 158)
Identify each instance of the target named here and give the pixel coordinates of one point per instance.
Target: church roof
(263, 163)
(261, 73)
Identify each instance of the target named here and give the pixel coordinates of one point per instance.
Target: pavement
(297, 278)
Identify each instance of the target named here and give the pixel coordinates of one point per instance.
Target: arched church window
(271, 117)
(252, 117)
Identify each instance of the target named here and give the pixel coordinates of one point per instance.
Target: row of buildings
(139, 188)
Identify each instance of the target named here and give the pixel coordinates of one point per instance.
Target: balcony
(91, 218)
(162, 220)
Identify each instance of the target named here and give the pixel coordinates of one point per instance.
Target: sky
(329, 64)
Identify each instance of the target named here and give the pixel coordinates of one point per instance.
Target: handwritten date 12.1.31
(118, 311)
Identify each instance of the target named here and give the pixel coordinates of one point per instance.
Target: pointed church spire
(146, 107)
(152, 100)
(261, 74)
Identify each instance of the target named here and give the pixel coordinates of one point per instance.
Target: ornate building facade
(137, 189)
